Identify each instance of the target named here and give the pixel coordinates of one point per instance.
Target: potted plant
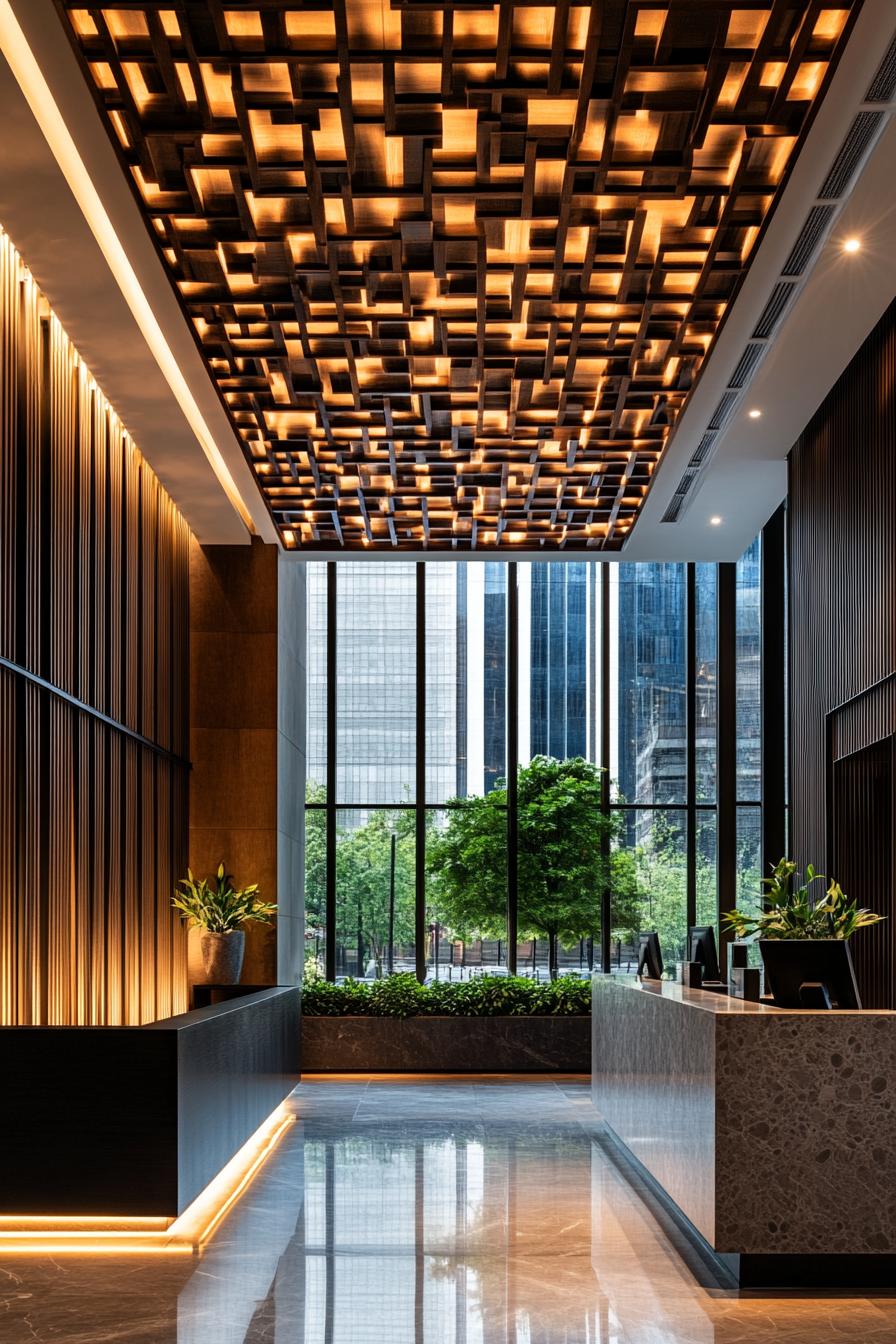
(219, 910)
(790, 914)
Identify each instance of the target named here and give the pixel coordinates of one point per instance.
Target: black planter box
(446, 1045)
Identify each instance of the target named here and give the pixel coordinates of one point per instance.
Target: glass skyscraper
(466, 667)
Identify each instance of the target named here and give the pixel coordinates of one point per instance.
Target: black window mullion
(420, 775)
(605, 896)
(726, 741)
(772, 692)
(330, 942)
(512, 740)
(691, 742)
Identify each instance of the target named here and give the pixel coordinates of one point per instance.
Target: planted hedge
(486, 996)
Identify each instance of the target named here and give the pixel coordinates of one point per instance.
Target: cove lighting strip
(187, 1234)
(34, 86)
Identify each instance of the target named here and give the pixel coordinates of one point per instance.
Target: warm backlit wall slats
(94, 574)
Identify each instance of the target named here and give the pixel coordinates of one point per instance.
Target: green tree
(661, 875)
(363, 868)
(315, 876)
(561, 865)
(363, 863)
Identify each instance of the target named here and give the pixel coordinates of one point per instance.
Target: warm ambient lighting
(754, 414)
(113, 1235)
(851, 245)
(466, 369)
(715, 520)
(30, 78)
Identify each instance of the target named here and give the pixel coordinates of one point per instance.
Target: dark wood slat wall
(843, 625)
(863, 852)
(94, 594)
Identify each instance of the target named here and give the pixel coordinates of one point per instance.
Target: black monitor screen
(702, 948)
(650, 958)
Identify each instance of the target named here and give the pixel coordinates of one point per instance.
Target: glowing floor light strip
(30, 78)
(96, 1234)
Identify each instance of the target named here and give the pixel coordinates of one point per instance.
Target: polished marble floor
(428, 1211)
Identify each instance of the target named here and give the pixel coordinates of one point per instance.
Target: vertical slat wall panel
(94, 573)
(842, 549)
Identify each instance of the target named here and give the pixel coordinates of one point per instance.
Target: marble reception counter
(773, 1131)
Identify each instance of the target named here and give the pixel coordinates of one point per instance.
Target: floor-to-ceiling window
(437, 692)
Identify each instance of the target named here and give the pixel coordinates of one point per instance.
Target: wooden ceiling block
(454, 267)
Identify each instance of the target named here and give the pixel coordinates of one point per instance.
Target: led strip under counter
(185, 1235)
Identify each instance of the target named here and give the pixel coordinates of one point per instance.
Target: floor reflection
(428, 1212)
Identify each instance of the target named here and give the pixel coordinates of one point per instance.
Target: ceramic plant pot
(222, 956)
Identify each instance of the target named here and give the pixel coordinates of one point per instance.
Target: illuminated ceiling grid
(455, 268)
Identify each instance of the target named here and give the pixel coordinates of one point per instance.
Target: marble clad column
(247, 739)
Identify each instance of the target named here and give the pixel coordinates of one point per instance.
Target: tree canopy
(565, 858)
(563, 866)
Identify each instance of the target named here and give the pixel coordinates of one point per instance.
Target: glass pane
(649, 884)
(748, 675)
(749, 857)
(466, 888)
(315, 891)
(705, 639)
(557, 659)
(376, 719)
(316, 655)
(707, 885)
(491, 693)
(647, 613)
(466, 661)
(446, 681)
(375, 878)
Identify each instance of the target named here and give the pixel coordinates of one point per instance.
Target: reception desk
(772, 1131)
(134, 1122)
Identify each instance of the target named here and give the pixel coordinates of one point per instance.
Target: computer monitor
(650, 958)
(702, 948)
(810, 973)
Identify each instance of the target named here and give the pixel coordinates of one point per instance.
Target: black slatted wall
(842, 521)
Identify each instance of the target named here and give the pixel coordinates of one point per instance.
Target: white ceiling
(842, 299)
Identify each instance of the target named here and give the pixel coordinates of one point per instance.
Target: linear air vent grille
(812, 232)
(746, 365)
(723, 410)
(860, 139)
(676, 503)
(883, 86)
(861, 135)
(704, 449)
(771, 313)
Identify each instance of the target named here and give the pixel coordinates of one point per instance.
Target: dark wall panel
(94, 649)
(843, 600)
(863, 859)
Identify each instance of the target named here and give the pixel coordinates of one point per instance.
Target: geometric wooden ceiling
(454, 267)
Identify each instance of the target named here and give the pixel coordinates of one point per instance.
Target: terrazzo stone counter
(773, 1131)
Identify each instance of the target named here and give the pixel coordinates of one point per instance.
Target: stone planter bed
(519, 1044)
